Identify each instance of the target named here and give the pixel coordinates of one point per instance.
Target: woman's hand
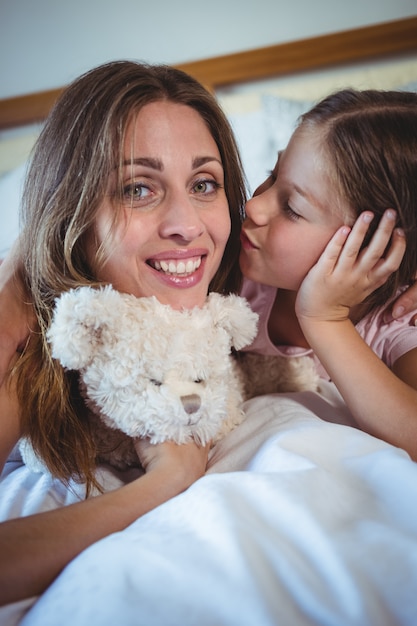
(16, 312)
(183, 463)
(345, 275)
(405, 303)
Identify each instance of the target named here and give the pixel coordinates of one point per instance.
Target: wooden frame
(385, 40)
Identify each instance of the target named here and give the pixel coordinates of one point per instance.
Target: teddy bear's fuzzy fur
(266, 374)
(147, 370)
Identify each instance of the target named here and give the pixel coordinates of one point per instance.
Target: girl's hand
(345, 275)
(183, 463)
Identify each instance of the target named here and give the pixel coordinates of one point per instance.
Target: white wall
(46, 43)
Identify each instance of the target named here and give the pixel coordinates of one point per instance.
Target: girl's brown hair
(80, 146)
(370, 141)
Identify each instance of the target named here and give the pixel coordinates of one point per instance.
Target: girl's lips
(246, 242)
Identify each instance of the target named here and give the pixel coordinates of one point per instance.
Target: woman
(135, 181)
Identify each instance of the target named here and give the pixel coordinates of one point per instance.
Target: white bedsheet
(298, 521)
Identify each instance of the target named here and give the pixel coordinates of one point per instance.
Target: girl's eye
(208, 186)
(290, 213)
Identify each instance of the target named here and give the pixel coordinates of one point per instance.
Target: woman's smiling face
(174, 221)
(291, 217)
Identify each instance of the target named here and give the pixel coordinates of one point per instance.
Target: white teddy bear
(148, 370)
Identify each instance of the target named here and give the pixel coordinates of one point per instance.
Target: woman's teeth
(177, 267)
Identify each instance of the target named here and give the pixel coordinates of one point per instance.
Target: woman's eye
(206, 186)
(135, 191)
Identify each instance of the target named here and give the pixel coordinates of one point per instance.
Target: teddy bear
(148, 370)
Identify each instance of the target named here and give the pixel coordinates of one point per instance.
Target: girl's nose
(258, 209)
(181, 220)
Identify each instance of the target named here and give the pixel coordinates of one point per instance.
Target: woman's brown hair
(80, 146)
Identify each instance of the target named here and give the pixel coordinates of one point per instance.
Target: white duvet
(299, 520)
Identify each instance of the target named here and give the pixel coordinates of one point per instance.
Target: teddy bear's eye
(155, 382)
(198, 380)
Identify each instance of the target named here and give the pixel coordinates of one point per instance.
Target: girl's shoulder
(389, 338)
(260, 297)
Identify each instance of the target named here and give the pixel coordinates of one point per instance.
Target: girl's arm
(35, 549)
(383, 402)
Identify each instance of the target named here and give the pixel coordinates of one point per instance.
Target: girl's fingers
(381, 257)
(375, 256)
(394, 255)
(377, 246)
(332, 251)
(352, 248)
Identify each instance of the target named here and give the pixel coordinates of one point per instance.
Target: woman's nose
(181, 219)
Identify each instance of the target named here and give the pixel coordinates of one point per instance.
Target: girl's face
(174, 219)
(291, 217)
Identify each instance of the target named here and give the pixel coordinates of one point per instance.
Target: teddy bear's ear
(79, 319)
(234, 315)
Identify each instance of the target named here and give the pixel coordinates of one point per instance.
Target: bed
(301, 518)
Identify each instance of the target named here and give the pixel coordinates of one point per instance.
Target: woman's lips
(178, 262)
(174, 266)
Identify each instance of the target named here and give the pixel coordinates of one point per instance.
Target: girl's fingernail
(400, 232)
(391, 214)
(367, 217)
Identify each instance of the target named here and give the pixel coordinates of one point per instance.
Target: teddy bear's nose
(191, 403)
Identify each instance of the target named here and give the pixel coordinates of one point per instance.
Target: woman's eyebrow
(199, 161)
(155, 164)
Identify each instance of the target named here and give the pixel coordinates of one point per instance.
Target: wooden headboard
(385, 40)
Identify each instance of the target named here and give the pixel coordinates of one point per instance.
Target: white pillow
(281, 116)
(262, 132)
(253, 142)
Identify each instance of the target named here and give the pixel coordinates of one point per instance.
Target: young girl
(136, 165)
(353, 151)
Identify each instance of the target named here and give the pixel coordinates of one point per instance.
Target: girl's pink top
(389, 339)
